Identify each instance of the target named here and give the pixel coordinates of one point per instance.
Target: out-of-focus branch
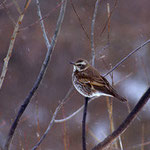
(43, 18)
(17, 6)
(9, 15)
(40, 76)
(125, 124)
(107, 22)
(53, 119)
(126, 57)
(11, 45)
(42, 25)
(79, 20)
(92, 32)
(73, 114)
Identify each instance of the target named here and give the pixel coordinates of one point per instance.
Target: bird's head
(80, 65)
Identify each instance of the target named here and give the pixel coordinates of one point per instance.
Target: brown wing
(91, 76)
(97, 82)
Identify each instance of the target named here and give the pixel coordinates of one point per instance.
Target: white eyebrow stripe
(81, 63)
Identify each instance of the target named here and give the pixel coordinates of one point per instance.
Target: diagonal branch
(125, 124)
(39, 78)
(42, 25)
(11, 45)
(126, 57)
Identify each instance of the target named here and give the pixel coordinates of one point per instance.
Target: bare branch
(9, 15)
(17, 6)
(11, 45)
(126, 57)
(82, 26)
(125, 124)
(92, 32)
(107, 21)
(73, 114)
(40, 76)
(53, 119)
(42, 25)
(43, 18)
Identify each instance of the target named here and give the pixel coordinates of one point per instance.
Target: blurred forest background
(129, 28)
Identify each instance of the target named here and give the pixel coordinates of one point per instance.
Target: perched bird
(89, 83)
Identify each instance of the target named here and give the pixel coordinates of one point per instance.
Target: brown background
(129, 28)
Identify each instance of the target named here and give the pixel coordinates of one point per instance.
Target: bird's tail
(115, 94)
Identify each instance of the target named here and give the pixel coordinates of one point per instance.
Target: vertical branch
(37, 122)
(109, 100)
(142, 143)
(115, 5)
(110, 113)
(126, 57)
(84, 124)
(108, 14)
(92, 32)
(65, 135)
(93, 63)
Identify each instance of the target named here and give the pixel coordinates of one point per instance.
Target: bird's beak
(72, 63)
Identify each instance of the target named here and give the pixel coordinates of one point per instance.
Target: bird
(89, 83)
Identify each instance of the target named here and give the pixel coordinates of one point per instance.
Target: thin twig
(92, 32)
(108, 14)
(109, 99)
(43, 18)
(9, 14)
(84, 124)
(107, 21)
(52, 120)
(120, 142)
(11, 45)
(79, 20)
(142, 146)
(37, 122)
(139, 145)
(42, 25)
(73, 114)
(17, 7)
(125, 124)
(131, 53)
(39, 78)
(145, 70)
